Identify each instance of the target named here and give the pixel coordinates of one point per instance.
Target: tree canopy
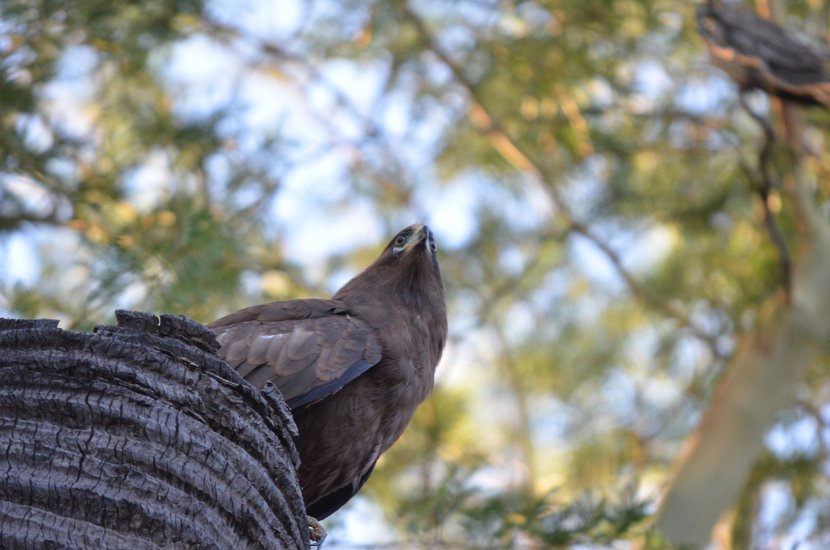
(599, 193)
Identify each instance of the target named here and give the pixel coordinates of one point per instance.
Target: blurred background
(590, 179)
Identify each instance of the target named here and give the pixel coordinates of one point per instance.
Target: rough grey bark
(139, 436)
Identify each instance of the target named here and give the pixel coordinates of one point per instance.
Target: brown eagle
(758, 53)
(354, 368)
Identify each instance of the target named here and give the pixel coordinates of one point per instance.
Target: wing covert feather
(300, 345)
(308, 348)
(309, 308)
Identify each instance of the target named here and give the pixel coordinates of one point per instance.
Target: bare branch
(764, 190)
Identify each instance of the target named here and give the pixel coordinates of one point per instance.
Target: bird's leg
(316, 533)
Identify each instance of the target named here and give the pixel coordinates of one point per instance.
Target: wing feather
(308, 348)
(259, 347)
(301, 344)
(348, 349)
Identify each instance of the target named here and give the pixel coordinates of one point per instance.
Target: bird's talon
(316, 533)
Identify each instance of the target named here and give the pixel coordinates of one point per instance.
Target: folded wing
(308, 348)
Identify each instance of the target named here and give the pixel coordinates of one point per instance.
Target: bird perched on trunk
(758, 53)
(354, 368)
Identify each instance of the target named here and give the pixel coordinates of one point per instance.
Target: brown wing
(308, 348)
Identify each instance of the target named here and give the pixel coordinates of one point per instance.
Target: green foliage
(551, 522)
(592, 182)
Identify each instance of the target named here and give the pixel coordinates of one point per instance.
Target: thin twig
(765, 187)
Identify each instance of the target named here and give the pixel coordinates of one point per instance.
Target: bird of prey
(352, 368)
(758, 53)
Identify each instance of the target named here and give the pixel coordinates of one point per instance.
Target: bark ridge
(139, 436)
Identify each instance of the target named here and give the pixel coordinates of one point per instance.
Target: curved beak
(419, 234)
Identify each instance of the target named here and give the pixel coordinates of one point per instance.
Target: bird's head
(408, 266)
(410, 260)
(405, 245)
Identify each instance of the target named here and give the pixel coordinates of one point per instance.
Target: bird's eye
(400, 240)
(433, 246)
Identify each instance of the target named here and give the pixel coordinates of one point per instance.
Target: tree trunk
(139, 436)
